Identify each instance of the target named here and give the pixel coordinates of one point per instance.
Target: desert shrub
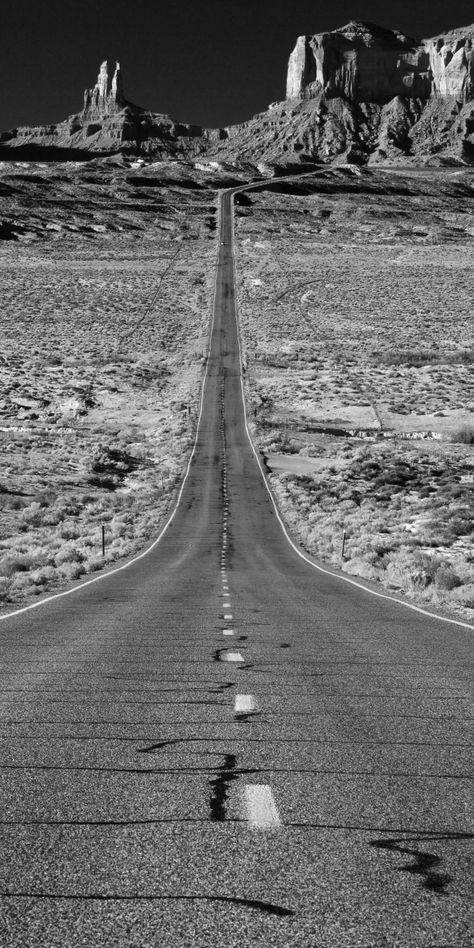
(446, 578)
(69, 531)
(360, 567)
(419, 357)
(5, 585)
(463, 595)
(103, 481)
(463, 435)
(68, 553)
(71, 571)
(31, 516)
(113, 461)
(42, 576)
(21, 563)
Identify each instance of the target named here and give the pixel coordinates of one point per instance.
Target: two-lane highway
(220, 745)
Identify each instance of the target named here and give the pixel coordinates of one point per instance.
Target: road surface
(220, 746)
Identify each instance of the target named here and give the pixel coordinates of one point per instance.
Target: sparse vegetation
(358, 346)
(102, 353)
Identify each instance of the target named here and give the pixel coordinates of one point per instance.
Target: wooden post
(343, 544)
(103, 540)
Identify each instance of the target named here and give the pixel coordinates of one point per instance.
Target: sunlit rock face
(107, 96)
(362, 62)
(452, 63)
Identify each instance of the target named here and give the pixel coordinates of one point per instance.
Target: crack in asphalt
(220, 786)
(254, 740)
(425, 864)
(269, 907)
(243, 770)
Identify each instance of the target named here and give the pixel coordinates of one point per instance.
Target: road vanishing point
(220, 745)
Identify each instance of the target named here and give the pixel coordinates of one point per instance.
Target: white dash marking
(232, 657)
(260, 807)
(228, 616)
(228, 632)
(245, 704)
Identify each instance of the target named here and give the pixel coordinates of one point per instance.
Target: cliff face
(452, 64)
(362, 62)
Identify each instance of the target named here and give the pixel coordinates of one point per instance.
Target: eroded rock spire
(107, 96)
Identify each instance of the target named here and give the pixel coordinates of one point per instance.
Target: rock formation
(367, 94)
(452, 64)
(362, 62)
(107, 97)
(107, 123)
(359, 93)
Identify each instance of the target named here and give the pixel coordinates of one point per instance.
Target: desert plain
(355, 301)
(355, 293)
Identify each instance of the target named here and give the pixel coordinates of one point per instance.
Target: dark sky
(212, 62)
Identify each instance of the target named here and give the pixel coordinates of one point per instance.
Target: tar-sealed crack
(220, 786)
(258, 904)
(425, 865)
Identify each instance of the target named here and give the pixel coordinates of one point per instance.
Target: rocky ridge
(360, 93)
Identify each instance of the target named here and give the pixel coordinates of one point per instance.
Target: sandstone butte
(360, 93)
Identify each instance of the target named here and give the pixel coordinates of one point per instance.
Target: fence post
(103, 540)
(343, 544)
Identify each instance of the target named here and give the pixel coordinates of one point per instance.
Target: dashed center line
(232, 657)
(260, 808)
(245, 704)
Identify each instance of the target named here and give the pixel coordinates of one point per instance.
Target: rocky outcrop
(451, 60)
(362, 62)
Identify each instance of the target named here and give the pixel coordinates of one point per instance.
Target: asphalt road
(221, 746)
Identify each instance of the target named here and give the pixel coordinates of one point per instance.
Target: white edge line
(303, 556)
(118, 569)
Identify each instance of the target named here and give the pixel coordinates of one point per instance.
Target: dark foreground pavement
(221, 746)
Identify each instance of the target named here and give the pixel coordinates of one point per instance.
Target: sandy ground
(106, 299)
(356, 314)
